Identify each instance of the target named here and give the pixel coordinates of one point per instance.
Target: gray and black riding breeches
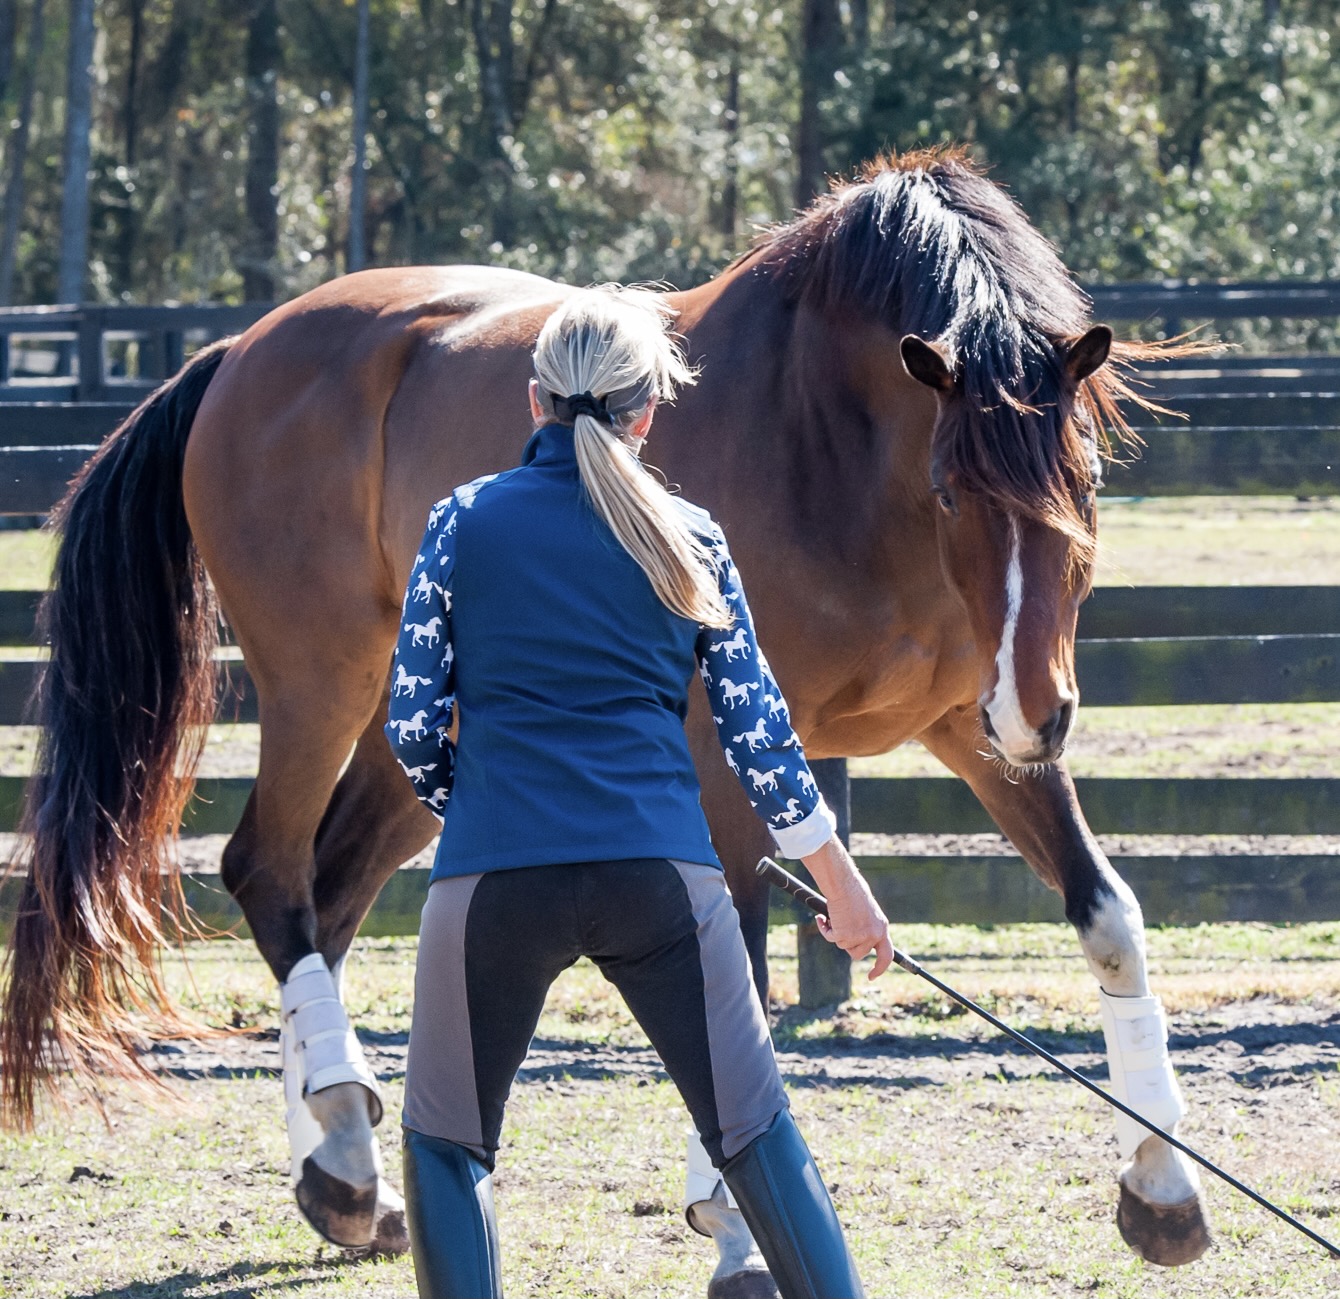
(665, 933)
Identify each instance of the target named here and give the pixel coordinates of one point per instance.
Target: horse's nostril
(986, 725)
(1055, 729)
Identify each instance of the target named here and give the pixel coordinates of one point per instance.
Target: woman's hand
(854, 921)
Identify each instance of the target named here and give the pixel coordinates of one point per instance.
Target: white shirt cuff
(807, 836)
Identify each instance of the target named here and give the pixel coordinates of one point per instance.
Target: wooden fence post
(825, 970)
(92, 377)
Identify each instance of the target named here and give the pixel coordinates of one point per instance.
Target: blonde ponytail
(614, 344)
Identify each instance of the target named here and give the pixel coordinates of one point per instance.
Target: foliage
(1148, 138)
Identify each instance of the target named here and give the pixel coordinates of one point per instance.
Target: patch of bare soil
(1114, 845)
(203, 854)
(1261, 1044)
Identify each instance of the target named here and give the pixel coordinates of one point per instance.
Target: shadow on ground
(255, 1281)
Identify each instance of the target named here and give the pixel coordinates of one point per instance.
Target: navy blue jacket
(572, 683)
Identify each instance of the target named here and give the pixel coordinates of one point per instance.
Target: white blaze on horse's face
(1021, 590)
(1001, 710)
(1047, 670)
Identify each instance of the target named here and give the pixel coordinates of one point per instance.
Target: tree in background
(595, 139)
(9, 26)
(15, 173)
(1147, 138)
(820, 55)
(72, 273)
(261, 246)
(358, 176)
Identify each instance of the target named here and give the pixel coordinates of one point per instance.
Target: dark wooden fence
(1254, 426)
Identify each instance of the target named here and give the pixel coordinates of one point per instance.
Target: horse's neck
(810, 443)
(809, 424)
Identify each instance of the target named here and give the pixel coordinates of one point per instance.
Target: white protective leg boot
(711, 1210)
(1159, 1214)
(332, 1103)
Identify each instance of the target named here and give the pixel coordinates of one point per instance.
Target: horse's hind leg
(1160, 1214)
(373, 824)
(307, 730)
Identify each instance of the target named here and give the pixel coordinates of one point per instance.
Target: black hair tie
(566, 409)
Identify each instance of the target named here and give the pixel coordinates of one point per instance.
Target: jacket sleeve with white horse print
(751, 717)
(423, 687)
(753, 723)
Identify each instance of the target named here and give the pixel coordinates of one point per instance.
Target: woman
(564, 605)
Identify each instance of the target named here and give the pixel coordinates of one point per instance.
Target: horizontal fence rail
(1235, 445)
(1147, 672)
(1110, 612)
(1180, 890)
(75, 341)
(937, 805)
(1173, 301)
(1209, 670)
(1112, 805)
(1161, 611)
(1284, 460)
(237, 696)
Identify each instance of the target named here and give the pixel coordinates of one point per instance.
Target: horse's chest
(913, 678)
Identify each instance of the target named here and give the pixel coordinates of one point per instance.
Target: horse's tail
(123, 703)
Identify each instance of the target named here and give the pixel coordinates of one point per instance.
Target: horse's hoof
(341, 1212)
(751, 1283)
(1167, 1234)
(390, 1236)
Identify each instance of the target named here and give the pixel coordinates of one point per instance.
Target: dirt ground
(1259, 1045)
(961, 1167)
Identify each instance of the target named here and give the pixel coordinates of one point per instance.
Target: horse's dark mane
(926, 244)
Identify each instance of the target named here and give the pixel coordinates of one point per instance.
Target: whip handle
(783, 879)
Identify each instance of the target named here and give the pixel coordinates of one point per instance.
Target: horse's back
(337, 419)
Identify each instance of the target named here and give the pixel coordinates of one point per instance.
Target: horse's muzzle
(1048, 740)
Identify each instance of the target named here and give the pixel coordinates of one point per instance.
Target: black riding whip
(788, 883)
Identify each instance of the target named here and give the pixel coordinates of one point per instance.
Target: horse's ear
(1089, 353)
(926, 363)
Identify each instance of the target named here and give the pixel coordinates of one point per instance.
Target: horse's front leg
(1159, 1213)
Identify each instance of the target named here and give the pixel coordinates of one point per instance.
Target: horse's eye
(945, 500)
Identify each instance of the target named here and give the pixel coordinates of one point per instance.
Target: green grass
(25, 560)
(1034, 966)
(1219, 541)
(975, 1188)
(1201, 740)
(977, 1191)
(1163, 541)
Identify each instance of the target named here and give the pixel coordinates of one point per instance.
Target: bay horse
(899, 423)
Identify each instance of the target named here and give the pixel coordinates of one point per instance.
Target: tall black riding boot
(449, 1212)
(786, 1205)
